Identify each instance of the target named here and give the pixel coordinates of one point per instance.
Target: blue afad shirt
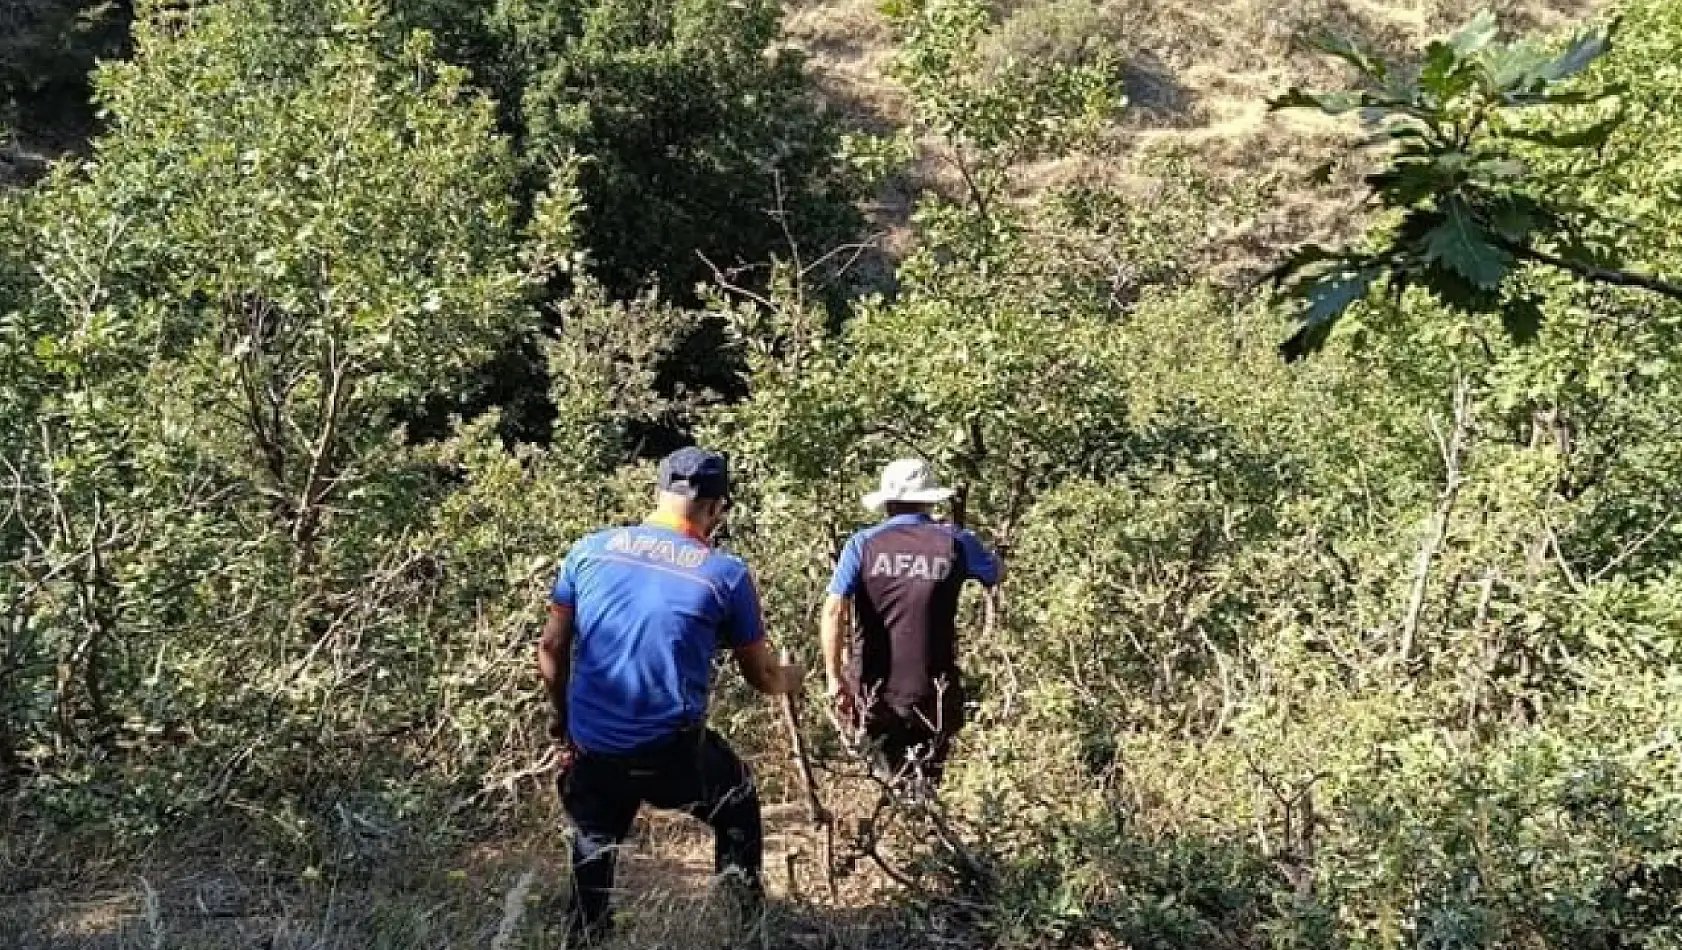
(651, 606)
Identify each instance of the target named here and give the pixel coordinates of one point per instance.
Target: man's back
(904, 576)
(635, 617)
(652, 605)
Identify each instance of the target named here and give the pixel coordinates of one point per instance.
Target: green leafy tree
(296, 227)
(994, 390)
(992, 114)
(607, 376)
(700, 137)
(21, 388)
(313, 262)
(1464, 207)
(695, 141)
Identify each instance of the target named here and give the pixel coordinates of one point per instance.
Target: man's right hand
(565, 752)
(841, 710)
(768, 674)
(793, 674)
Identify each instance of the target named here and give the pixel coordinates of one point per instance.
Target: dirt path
(502, 895)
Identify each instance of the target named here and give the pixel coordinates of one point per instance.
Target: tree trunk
(97, 617)
(16, 621)
(11, 770)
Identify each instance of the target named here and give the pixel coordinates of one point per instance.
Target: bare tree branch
(1599, 275)
(1451, 447)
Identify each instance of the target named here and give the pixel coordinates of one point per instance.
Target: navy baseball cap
(695, 473)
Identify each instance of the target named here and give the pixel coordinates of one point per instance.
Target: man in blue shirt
(895, 678)
(635, 617)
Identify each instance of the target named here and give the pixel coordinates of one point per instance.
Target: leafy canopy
(1467, 208)
(698, 133)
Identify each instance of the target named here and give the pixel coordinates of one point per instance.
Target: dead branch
(727, 283)
(1451, 447)
(1633, 548)
(816, 813)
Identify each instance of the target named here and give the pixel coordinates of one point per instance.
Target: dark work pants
(909, 746)
(694, 772)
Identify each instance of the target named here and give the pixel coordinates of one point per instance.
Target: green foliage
(1464, 208)
(1378, 650)
(312, 269)
(699, 134)
(1197, 722)
(605, 376)
(1070, 32)
(1628, 184)
(285, 238)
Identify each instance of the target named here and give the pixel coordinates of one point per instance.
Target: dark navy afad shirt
(904, 576)
(652, 604)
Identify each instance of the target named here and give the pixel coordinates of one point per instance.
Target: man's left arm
(744, 634)
(981, 564)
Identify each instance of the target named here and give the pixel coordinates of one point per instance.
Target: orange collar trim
(684, 526)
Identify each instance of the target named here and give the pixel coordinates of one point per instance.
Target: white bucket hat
(910, 481)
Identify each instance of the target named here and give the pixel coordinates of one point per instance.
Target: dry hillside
(1197, 77)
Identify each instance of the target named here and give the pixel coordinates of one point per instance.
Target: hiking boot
(743, 902)
(579, 935)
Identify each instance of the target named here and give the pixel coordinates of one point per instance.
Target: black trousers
(694, 772)
(908, 745)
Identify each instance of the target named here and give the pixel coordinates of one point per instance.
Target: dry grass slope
(1197, 79)
(504, 894)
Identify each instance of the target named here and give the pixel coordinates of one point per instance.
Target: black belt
(672, 741)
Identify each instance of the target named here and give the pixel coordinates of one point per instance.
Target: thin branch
(1633, 548)
(728, 284)
(1599, 275)
(1486, 590)
(543, 766)
(856, 248)
(980, 197)
(1451, 447)
(781, 215)
(1559, 555)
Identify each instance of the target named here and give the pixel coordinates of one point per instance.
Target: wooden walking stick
(815, 812)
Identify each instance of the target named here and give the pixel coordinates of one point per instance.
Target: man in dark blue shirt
(896, 677)
(635, 617)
